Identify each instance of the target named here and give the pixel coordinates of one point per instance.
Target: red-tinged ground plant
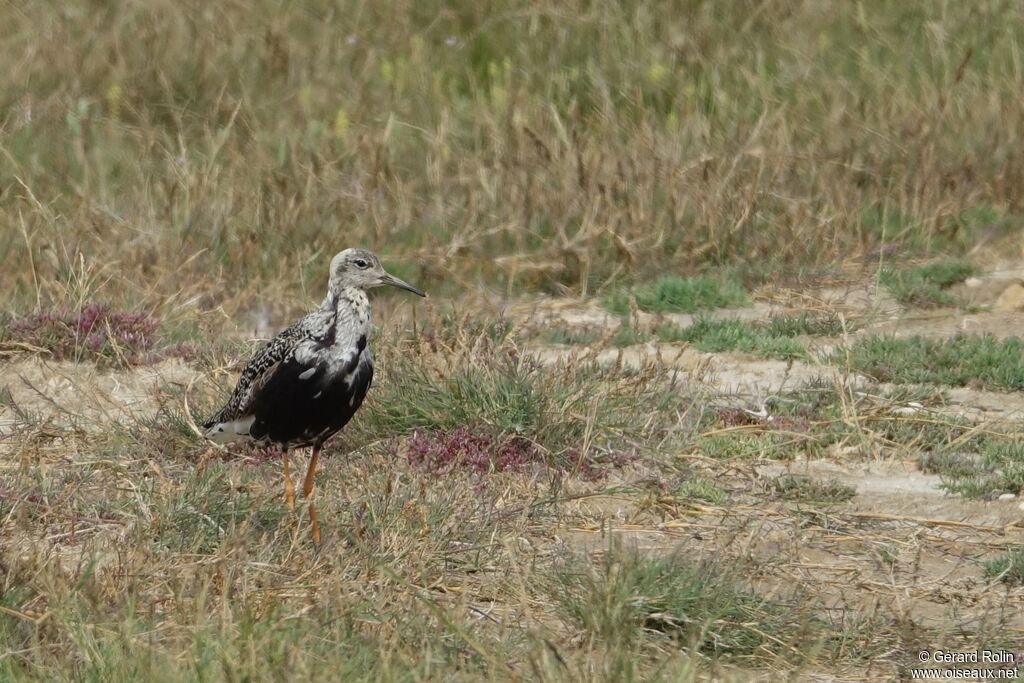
(475, 401)
(92, 332)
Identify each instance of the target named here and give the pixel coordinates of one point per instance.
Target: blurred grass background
(206, 152)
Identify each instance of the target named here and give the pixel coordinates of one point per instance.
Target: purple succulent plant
(94, 331)
(477, 451)
(482, 451)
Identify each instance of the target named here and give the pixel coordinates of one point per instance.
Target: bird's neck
(345, 296)
(351, 309)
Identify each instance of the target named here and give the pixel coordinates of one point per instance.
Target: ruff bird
(306, 383)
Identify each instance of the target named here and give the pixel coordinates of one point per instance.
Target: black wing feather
(264, 364)
(301, 412)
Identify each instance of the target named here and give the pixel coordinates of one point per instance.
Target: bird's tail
(228, 431)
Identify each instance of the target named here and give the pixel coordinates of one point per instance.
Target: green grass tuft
(513, 395)
(963, 360)
(207, 511)
(752, 445)
(569, 336)
(700, 605)
(712, 336)
(926, 286)
(1009, 568)
(829, 324)
(627, 335)
(810, 490)
(700, 489)
(997, 468)
(674, 294)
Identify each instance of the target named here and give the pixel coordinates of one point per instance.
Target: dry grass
(514, 542)
(227, 149)
(493, 513)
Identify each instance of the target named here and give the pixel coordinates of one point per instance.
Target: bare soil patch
(898, 565)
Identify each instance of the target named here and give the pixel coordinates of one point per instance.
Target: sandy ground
(80, 394)
(900, 546)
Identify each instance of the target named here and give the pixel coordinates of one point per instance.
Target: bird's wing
(315, 327)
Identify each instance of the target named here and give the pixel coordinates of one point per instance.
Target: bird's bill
(389, 279)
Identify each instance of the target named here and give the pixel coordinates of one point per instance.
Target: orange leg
(307, 489)
(307, 485)
(289, 487)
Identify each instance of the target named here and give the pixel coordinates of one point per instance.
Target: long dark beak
(389, 279)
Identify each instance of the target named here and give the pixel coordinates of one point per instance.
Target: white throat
(352, 317)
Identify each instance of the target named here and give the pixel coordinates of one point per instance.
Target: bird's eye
(360, 263)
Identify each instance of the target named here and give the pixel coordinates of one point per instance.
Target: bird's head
(361, 268)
